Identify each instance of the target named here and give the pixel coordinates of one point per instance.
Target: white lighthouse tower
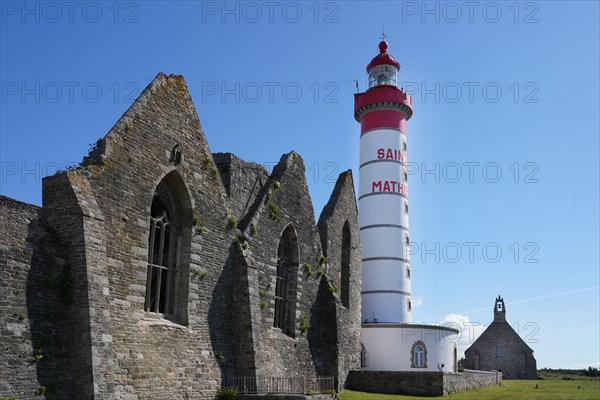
(391, 341)
(383, 193)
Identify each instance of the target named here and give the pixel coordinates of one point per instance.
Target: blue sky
(503, 144)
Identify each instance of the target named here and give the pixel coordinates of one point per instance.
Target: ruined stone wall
(283, 201)
(70, 208)
(35, 298)
(242, 180)
(339, 211)
(153, 357)
(90, 243)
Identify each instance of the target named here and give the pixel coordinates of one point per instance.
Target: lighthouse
(383, 193)
(390, 339)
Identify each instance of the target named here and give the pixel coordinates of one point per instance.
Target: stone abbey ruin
(159, 270)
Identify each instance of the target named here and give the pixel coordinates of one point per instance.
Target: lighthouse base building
(409, 347)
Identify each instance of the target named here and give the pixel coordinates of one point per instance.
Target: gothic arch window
(418, 355)
(286, 281)
(345, 270)
(168, 250)
(161, 246)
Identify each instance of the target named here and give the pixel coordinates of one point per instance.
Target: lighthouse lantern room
(383, 70)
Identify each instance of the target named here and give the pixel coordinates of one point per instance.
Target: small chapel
(501, 348)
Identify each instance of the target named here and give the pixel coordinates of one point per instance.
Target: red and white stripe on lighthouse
(382, 111)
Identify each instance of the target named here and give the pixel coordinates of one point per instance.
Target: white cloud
(417, 301)
(468, 331)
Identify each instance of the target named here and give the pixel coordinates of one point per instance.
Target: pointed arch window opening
(164, 259)
(281, 288)
(345, 267)
(285, 295)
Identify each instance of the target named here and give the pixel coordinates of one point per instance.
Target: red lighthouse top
(383, 104)
(383, 57)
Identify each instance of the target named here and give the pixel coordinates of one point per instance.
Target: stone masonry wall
(71, 210)
(35, 297)
(342, 209)
(242, 180)
(283, 201)
(468, 379)
(74, 274)
(154, 357)
(420, 383)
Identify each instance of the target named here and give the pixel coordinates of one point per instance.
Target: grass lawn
(518, 390)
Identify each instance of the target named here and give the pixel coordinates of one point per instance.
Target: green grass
(518, 390)
(565, 374)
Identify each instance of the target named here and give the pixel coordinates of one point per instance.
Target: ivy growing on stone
(304, 324)
(308, 269)
(233, 221)
(274, 212)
